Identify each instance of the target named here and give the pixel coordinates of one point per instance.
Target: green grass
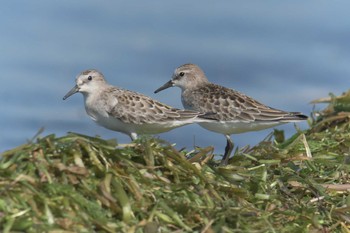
(78, 183)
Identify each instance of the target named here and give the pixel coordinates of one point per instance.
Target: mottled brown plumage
(231, 105)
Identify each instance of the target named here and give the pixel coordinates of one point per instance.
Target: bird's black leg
(228, 150)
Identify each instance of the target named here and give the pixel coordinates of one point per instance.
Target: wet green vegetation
(78, 183)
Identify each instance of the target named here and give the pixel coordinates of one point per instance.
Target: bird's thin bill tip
(65, 97)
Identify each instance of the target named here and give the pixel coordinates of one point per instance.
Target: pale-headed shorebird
(235, 112)
(129, 112)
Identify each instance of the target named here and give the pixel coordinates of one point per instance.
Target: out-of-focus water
(283, 53)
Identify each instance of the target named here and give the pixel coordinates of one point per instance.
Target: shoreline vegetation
(78, 183)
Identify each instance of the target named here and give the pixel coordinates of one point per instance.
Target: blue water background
(283, 53)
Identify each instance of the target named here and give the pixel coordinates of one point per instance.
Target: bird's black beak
(74, 90)
(165, 86)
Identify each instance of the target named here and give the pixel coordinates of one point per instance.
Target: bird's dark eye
(182, 74)
(90, 78)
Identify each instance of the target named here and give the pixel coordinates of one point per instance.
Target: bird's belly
(103, 119)
(141, 128)
(113, 124)
(232, 127)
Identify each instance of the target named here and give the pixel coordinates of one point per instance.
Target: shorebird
(126, 111)
(235, 112)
